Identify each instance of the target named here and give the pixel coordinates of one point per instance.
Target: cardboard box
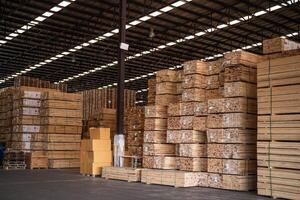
(100, 133)
(95, 145)
(96, 156)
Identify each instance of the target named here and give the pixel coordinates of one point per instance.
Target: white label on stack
(31, 128)
(31, 111)
(32, 94)
(32, 102)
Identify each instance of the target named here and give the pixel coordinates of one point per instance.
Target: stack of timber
(157, 154)
(105, 118)
(95, 153)
(187, 131)
(95, 100)
(36, 160)
(173, 178)
(151, 91)
(61, 120)
(168, 87)
(278, 140)
(135, 130)
(6, 110)
(26, 133)
(232, 125)
(28, 81)
(122, 173)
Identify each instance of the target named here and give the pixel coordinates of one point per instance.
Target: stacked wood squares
(214, 124)
(278, 139)
(168, 87)
(157, 154)
(231, 125)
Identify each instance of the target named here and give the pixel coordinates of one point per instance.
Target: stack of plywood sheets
(6, 110)
(61, 120)
(232, 125)
(278, 145)
(157, 154)
(135, 117)
(95, 153)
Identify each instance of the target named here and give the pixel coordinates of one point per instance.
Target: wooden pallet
(170, 178)
(122, 173)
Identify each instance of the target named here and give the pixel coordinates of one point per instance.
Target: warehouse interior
(174, 99)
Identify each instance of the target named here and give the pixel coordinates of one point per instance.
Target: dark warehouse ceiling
(87, 64)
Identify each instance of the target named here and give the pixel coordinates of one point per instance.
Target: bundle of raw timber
(95, 153)
(94, 101)
(278, 120)
(27, 135)
(135, 118)
(155, 150)
(61, 120)
(6, 110)
(231, 125)
(168, 87)
(151, 91)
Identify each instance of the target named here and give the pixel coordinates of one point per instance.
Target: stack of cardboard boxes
(95, 152)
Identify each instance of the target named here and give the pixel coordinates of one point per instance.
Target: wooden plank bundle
(167, 88)
(279, 44)
(27, 106)
(67, 114)
(95, 152)
(155, 137)
(122, 173)
(95, 100)
(105, 118)
(193, 164)
(185, 136)
(170, 177)
(158, 149)
(151, 91)
(135, 119)
(278, 121)
(36, 160)
(157, 154)
(159, 162)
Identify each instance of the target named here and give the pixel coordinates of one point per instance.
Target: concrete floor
(69, 184)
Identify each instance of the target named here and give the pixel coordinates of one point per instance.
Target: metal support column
(119, 140)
